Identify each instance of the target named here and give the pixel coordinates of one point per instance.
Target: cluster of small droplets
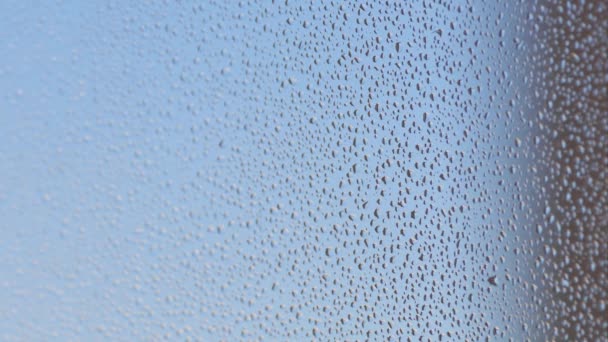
(312, 170)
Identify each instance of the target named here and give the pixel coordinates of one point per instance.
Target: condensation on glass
(303, 170)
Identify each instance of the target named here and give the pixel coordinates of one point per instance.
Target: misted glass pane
(304, 170)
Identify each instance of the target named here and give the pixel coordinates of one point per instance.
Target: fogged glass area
(294, 171)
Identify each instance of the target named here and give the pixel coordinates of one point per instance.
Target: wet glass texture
(304, 170)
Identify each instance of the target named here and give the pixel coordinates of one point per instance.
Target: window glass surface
(303, 170)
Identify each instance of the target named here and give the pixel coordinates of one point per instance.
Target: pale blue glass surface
(272, 170)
